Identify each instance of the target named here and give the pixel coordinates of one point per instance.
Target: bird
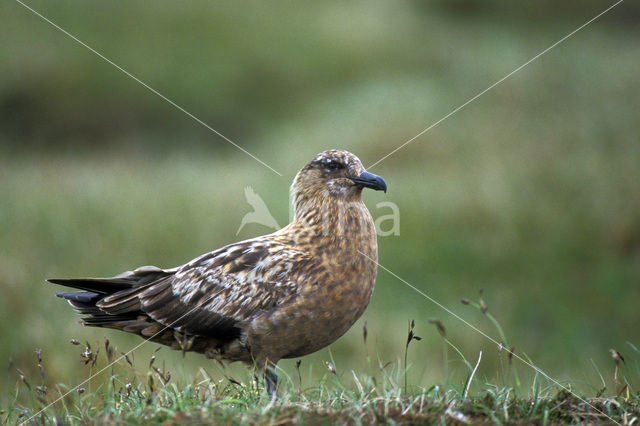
(282, 295)
(260, 213)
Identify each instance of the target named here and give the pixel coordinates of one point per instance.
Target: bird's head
(334, 174)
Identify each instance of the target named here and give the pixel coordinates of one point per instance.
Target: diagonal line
(151, 89)
(123, 356)
(431, 299)
(496, 83)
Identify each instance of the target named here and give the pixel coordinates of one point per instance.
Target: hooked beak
(369, 180)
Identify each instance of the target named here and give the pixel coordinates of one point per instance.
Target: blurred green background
(531, 192)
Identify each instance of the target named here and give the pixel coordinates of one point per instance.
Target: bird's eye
(331, 165)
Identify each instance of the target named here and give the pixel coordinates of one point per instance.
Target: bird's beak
(369, 180)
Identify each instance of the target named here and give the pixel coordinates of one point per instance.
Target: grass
(529, 192)
(97, 215)
(118, 391)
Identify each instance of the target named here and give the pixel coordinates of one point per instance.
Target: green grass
(554, 289)
(118, 390)
(529, 193)
(116, 387)
(101, 214)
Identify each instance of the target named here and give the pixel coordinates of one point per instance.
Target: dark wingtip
(55, 280)
(79, 296)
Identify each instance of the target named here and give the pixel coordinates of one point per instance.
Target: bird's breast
(334, 282)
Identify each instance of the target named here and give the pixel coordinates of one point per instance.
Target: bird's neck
(334, 217)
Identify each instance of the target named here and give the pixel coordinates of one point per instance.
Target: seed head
(439, 325)
(617, 356)
(331, 367)
(364, 332)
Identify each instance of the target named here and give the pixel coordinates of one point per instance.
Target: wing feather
(219, 293)
(215, 295)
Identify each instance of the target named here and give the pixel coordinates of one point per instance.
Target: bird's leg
(271, 380)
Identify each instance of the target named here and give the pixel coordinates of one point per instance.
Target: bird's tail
(114, 303)
(96, 289)
(102, 286)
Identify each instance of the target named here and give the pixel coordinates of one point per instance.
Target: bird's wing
(218, 293)
(126, 280)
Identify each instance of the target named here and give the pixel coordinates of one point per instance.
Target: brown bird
(281, 295)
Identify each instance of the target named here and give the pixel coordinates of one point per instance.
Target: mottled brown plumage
(281, 295)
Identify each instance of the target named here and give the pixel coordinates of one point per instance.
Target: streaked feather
(276, 296)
